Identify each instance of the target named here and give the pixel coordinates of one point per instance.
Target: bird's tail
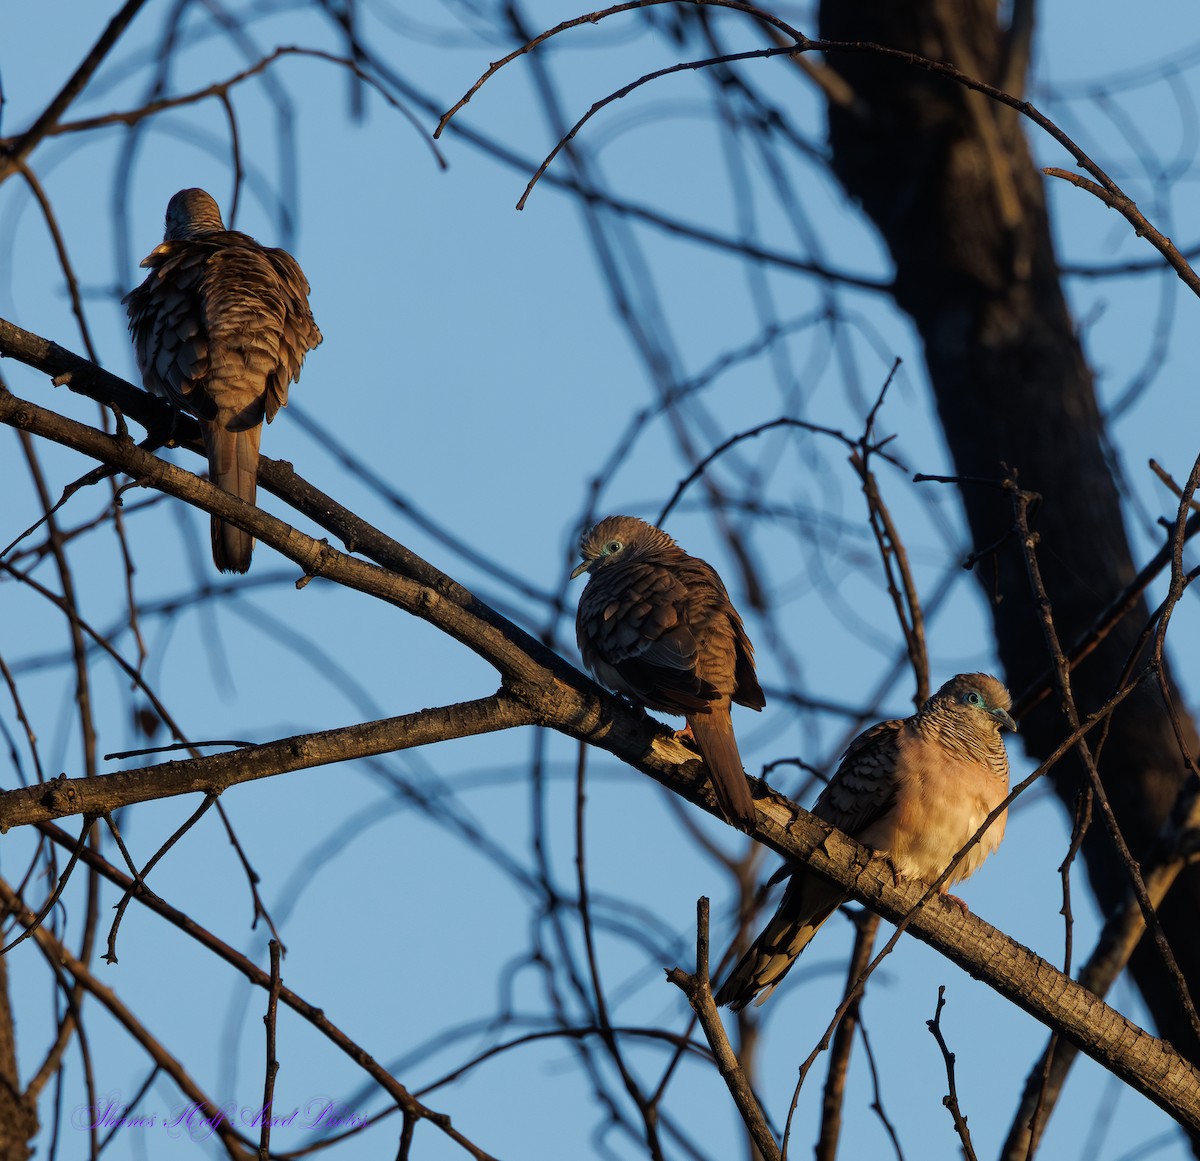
(808, 901)
(233, 465)
(713, 732)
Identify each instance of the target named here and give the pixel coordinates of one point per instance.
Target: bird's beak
(1005, 719)
(583, 566)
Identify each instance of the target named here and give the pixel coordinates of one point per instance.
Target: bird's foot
(670, 749)
(959, 903)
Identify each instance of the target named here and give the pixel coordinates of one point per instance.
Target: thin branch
(1102, 185)
(950, 1100)
(1167, 479)
(315, 1016)
(623, 92)
(215, 773)
(697, 988)
(595, 18)
(20, 149)
(877, 1095)
(272, 1066)
(754, 433)
(1022, 502)
(234, 1143)
(139, 883)
(32, 927)
(866, 925)
(608, 1037)
(222, 89)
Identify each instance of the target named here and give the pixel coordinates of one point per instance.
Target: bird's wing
(246, 307)
(170, 334)
(747, 690)
(727, 655)
(632, 619)
(863, 789)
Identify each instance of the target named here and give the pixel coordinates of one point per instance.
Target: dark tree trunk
(948, 179)
(18, 1114)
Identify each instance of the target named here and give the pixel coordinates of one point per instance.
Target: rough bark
(18, 1114)
(948, 179)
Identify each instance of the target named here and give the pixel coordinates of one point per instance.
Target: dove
(657, 625)
(220, 328)
(914, 789)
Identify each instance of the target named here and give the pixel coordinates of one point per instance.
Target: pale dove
(915, 790)
(221, 326)
(657, 625)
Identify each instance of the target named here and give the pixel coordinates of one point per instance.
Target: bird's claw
(959, 903)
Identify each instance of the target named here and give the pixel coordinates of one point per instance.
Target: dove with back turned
(221, 326)
(915, 790)
(657, 625)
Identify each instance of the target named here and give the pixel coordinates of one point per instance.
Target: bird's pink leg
(959, 903)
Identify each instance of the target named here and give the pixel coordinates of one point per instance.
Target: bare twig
(950, 1100)
(28, 141)
(221, 90)
(1022, 502)
(866, 927)
(595, 18)
(877, 1095)
(272, 1065)
(84, 979)
(753, 433)
(37, 920)
(139, 883)
(315, 1016)
(608, 1036)
(1167, 479)
(1099, 184)
(697, 987)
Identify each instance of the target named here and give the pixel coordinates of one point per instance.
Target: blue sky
(475, 361)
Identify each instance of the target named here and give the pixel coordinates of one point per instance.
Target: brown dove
(221, 326)
(657, 625)
(915, 790)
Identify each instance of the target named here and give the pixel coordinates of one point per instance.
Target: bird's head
(616, 539)
(978, 698)
(192, 213)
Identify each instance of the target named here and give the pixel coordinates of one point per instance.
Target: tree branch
(215, 773)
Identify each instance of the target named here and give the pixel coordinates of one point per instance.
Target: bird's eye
(612, 546)
(973, 698)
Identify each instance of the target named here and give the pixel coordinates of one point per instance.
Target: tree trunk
(948, 179)
(18, 1115)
